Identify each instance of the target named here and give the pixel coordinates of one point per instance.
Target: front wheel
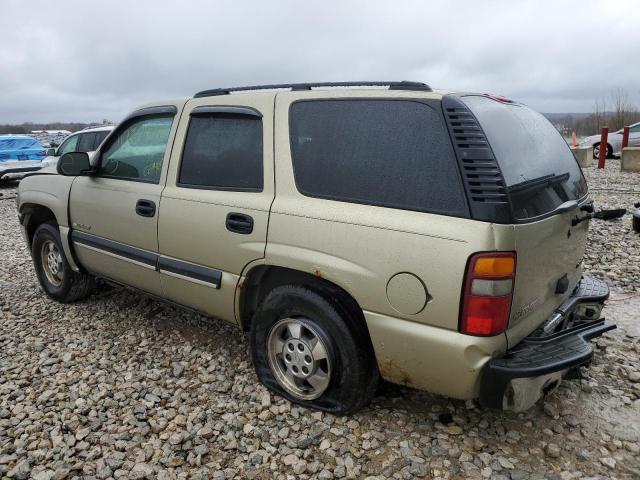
(307, 348)
(56, 277)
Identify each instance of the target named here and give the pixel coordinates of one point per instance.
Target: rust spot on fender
(318, 273)
(391, 371)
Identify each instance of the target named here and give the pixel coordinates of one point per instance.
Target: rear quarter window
(390, 153)
(539, 169)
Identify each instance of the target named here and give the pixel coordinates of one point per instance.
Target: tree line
(615, 111)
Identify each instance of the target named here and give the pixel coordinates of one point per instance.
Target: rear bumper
(543, 357)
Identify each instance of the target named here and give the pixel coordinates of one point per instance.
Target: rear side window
(85, 142)
(99, 137)
(223, 151)
(539, 169)
(390, 153)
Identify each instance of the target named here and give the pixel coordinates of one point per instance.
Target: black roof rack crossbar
(404, 85)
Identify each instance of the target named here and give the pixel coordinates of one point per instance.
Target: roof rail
(403, 85)
(97, 126)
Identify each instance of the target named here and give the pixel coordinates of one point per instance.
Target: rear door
(542, 179)
(215, 207)
(114, 214)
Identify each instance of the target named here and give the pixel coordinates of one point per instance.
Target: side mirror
(73, 164)
(51, 152)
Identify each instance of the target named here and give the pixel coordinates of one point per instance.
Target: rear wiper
(602, 215)
(538, 183)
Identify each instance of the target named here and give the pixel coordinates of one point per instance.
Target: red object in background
(603, 146)
(625, 138)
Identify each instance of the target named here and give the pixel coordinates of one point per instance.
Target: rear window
(390, 153)
(538, 167)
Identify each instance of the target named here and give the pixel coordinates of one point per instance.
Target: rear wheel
(596, 151)
(56, 277)
(306, 347)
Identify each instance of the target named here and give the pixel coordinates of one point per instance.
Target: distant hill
(555, 117)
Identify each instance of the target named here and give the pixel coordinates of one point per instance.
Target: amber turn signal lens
(494, 267)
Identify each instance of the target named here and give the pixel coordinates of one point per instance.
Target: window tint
(635, 129)
(381, 152)
(69, 145)
(224, 152)
(85, 142)
(137, 152)
(99, 137)
(539, 169)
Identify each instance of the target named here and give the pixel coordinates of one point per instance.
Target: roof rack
(403, 85)
(97, 126)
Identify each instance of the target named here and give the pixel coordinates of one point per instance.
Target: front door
(634, 136)
(114, 214)
(215, 206)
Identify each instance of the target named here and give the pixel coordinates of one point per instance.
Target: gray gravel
(121, 386)
(613, 253)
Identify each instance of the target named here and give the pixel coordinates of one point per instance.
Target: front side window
(390, 153)
(69, 145)
(223, 152)
(635, 129)
(137, 151)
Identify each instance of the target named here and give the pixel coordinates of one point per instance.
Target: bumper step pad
(535, 356)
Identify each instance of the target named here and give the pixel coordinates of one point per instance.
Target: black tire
(354, 374)
(72, 285)
(596, 152)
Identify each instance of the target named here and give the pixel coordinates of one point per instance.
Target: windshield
(539, 169)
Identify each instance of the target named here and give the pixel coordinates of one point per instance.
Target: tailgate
(549, 266)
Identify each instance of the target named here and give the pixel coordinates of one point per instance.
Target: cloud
(79, 60)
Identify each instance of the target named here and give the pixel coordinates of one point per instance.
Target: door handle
(239, 223)
(145, 208)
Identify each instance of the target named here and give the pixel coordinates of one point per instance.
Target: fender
(52, 192)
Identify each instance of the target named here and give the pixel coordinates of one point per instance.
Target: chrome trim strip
(190, 279)
(115, 255)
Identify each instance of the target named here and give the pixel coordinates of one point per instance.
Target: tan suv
(353, 231)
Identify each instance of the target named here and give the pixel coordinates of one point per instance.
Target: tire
(55, 275)
(596, 150)
(342, 367)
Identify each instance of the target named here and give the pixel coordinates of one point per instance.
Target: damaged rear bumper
(526, 372)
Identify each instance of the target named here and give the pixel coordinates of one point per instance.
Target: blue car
(19, 154)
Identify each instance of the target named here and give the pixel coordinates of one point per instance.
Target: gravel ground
(121, 386)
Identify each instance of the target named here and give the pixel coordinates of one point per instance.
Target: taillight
(488, 288)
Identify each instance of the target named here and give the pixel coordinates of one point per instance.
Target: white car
(87, 140)
(614, 141)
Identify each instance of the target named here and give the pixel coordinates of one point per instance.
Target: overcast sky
(89, 60)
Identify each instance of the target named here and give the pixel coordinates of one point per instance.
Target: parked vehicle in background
(432, 239)
(19, 154)
(51, 138)
(86, 140)
(614, 141)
